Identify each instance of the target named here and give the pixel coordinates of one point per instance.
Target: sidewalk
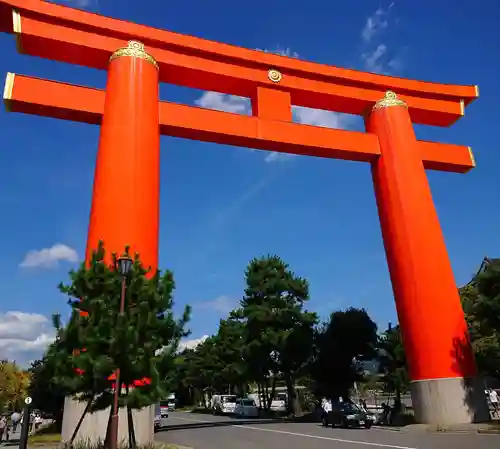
(14, 438)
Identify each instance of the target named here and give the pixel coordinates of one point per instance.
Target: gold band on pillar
(134, 49)
(390, 99)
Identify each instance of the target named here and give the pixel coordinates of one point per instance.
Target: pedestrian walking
(15, 418)
(32, 423)
(493, 396)
(3, 427)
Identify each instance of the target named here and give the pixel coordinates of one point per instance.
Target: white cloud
(49, 257)
(192, 343)
(377, 57)
(376, 23)
(224, 102)
(275, 156)
(313, 117)
(374, 60)
(288, 52)
(24, 336)
(221, 304)
(83, 4)
(319, 117)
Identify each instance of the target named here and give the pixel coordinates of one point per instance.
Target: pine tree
(141, 343)
(348, 337)
(279, 331)
(393, 365)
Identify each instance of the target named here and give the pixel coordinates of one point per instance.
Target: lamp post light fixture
(124, 264)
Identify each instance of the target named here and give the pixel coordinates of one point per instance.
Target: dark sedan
(345, 414)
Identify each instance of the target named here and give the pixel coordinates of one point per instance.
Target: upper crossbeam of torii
(79, 37)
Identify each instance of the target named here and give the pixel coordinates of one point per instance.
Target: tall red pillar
(125, 201)
(435, 335)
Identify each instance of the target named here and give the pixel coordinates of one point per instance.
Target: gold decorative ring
(390, 99)
(134, 49)
(274, 75)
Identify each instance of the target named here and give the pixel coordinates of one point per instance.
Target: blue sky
(221, 206)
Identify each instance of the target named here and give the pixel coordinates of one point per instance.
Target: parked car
(157, 420)
(346, 414)
(161, 414)
(223, 404)
(164, 409)
(171, 402)
(246, 408)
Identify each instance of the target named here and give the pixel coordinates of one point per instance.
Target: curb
(389, 429)
(161, 445)
(489, 431)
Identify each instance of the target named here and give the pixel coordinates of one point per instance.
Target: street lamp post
(124, 264)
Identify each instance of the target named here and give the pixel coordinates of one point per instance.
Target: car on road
(161, 414)
(223, 404)
(346, 414)
(164, 409)
(246, 408)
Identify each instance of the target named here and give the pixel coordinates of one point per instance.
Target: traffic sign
(28, 401)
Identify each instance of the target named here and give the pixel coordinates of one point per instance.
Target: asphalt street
(200, 431)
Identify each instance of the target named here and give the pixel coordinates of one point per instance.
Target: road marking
(304, 435)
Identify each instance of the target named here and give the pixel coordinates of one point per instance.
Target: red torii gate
(127, 177)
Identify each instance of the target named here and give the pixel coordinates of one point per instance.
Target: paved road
(214, 432)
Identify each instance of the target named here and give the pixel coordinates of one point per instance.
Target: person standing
(32, 423)
(38, 422)
(3, 428)
(493, 396)
(326, 405)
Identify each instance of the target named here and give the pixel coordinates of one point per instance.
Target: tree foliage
(392, 363)
(481, 303)
(47, 393)
(14, 383)
(142, 342)
(278, 329)
(347, 338)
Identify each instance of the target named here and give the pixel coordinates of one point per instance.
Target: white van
(223, 404)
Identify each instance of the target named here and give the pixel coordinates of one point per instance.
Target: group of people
(10, 424)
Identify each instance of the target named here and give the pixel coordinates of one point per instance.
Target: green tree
(481, 304)
(14, 383)
(392, 364)
(348, 337)
(47, 393)
(186, 393)
(278, 330)
(229, 350)
(203, 369)
(142, 342)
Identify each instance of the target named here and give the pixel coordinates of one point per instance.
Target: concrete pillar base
(93, 428)
(449, 401)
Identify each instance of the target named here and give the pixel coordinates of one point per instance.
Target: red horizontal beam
(77, 103)
(157, 38)
(77, 37)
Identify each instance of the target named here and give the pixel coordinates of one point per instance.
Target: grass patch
(44, 438)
